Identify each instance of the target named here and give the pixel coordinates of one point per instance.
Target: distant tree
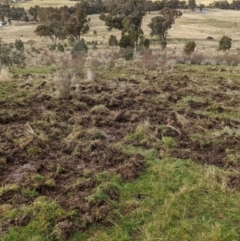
(128, 53)
(145, 42)
(159, 5)
(149, 6)
(26, 19)
(2, 18)
(172, 4)
(19, 45)
(235, 4)
(160, 25)
(33, 11)
(201, 6)
(126, 41)
(126, 16)
(189, 47)
(60, 48)
(225, 43)
(192, 4)
(75, 24)
(45, 31)
(93, 6)
(113, 40)
(79, 47)
(9, 56)
(52, 24)
(220, 4)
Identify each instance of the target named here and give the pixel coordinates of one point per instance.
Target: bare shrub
(77, 65)
(226, 58)
(5, 75)
(64, 85)
(231, 59)
(70, 70)
(91, 75)
(182, 59)
(100, 59)
(166, 61)
(10, 57)
(197, 58)
(47, 57)
(30, 42)
(95, 63)
(149, 60)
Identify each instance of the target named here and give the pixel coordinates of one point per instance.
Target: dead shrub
(77, 65)
(91, 76)
(64, 85)
(231, 59)
(166, 61)
(95, 63)
(197, 58)
(99, 59)
(30, 42)
(114, 57)
(69, 71)
(226, 58)
(47, 57)
(5, 75)
(149, 60)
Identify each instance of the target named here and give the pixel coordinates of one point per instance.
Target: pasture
(104, 149)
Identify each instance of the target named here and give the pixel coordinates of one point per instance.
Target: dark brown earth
(48, 144)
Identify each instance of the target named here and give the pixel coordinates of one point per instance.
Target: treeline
(93, 6)
(101, 6)
(235, 5)
(125, 15)
(61, 23)
(14, 13)
(8, 13)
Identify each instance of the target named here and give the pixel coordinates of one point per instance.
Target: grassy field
(104, 149)
(191, 26)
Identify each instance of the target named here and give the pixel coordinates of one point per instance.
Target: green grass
(34, 70)
(174, 200)
(43, 214)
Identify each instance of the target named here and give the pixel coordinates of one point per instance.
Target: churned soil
(59, 147)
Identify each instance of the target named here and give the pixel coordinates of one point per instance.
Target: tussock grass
(5, 74)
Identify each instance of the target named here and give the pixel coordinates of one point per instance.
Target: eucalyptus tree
(126, 16)
(160, 25)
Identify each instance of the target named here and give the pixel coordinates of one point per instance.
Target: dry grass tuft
(181, 119)
(5, 74)
(144, 126)
(91, 76)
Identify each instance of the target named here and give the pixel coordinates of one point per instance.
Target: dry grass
(45, 3)
(5, 75)
(191, 26)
